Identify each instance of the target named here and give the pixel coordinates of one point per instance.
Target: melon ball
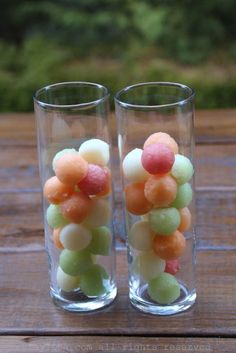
(160, 190)
(172, 266)
(102, 271)
(56, 238)
(148, 265)
(164, 221)
(74, 263)
(75, 237)
(55, 192)
(132, 166)
(101, 241)
(182, 169)
(54, 217)
(67, 282)
(136, 202)
(61, 153)
(185, 219)
(95, 180)
(157, 158)
(91, 281)
(107, 187)
(95, 151)
(141, 236)
(99, 214)
(164, 289)
(162, 137)
(70, 168)
(171, 247)
(183, 197)
(77, 207)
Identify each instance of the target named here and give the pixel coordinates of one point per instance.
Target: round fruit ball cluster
(159, 191)
(78, 214)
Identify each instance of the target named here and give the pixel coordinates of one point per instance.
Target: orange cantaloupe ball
(169, 247)
(55, 191)
(76, 208)
(160, 190)
(162, 137)
(56, 238)
(185, 219)
(71, 168)
(136, 202)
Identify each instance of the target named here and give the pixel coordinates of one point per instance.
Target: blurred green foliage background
(116, 43)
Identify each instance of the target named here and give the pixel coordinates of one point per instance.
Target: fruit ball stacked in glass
(79, 215)
(158, 191)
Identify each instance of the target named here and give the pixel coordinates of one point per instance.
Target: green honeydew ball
(164, 221)
(184, 196)
(182, 169)
(75, 263)
(164, 289)
(91, 281)
(54, 217)
(101, 241)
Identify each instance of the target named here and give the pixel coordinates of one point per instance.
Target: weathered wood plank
(215, 166)
(17, 129)
(19, 168)
(215, 125)
(210, 126)
(97, 344)
(26, 308)
(21, 226)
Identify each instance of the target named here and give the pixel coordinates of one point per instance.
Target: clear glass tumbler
(156, 146)
(74, 148)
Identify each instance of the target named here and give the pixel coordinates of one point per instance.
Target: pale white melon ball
(148, 265)
(66, 282)
(75, 237)
(95, 151)
(141, 236)
(132, 166)
(99, 215)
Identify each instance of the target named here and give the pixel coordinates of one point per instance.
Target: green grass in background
(117, 43)
(39, 62)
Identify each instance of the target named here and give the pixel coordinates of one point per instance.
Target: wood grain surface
(211, 126)
(26, 308)
(29, 321)
(97, 344)
(21, 225)
(215, 166)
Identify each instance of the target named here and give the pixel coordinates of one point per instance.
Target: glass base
(145, 304)
(78, 302)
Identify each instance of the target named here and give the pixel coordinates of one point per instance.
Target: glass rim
(88, 104)
(124, 104)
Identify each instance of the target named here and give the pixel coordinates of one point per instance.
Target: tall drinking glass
(74, 148)
(156, 147)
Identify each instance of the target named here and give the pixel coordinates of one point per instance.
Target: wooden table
(29, 322)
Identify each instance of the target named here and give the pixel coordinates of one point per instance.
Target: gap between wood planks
(37, 333)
